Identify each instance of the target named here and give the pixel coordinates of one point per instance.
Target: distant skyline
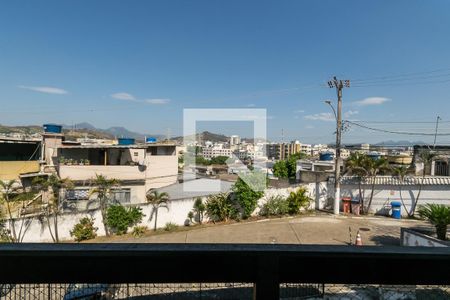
(138, 64)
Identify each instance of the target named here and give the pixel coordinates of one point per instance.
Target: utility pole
(436, 131)
(339, 85)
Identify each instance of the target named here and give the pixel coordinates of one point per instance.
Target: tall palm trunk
(414, 205)
(156, 218)
(371, 194)
(103, 211)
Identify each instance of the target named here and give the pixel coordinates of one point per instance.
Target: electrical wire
(396, 132)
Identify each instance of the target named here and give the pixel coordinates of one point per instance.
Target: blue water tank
(52, 128)
(327, 156)
(150, 140)
(125, 141)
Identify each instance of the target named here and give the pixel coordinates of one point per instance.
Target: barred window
(77, 194)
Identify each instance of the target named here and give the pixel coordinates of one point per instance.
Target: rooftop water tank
(125, 141)
(326, 156)
(52, 128)
(150, 140)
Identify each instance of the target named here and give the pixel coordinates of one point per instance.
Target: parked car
(91, 291)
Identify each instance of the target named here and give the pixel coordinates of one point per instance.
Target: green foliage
(170, 226)
(84, 230)
(190, 216)
(119, 218)
(157, 200)
(139, 231)
(297, 200)
(219, 160)
(199, 209)
(200, 160)
(438, 215)
(219, 207)
(247, 197)
(5, 235)
(274, 206)
(280, 169)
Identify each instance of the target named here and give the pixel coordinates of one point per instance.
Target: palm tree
(199, 209)
(55, 185)
(9, 189)
(401, 172)
(157, 200)
(102, 187)
(438, 215)
(426, 157)
(355, 164)
(373, 167)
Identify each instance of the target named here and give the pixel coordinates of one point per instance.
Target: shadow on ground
(385, 240)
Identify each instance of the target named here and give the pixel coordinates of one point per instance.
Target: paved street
(311, 229)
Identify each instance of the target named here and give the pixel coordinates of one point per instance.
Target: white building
(235, 140)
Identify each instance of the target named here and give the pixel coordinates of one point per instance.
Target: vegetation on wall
(246, 196)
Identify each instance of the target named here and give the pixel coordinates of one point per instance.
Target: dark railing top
(222, 263)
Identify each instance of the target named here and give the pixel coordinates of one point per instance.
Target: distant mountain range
(112, 132)
(205, 136)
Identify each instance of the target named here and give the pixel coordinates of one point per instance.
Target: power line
(396, 132)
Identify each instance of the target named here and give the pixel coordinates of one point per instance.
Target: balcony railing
(221, 271)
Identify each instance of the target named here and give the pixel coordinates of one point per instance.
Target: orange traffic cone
(358, 239)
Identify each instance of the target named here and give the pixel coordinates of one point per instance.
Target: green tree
(84, 230)
(219, 207)
(5, 235)
(247, 196)
(401, 172)
(157, 200)
(53, 185)
(280, 169)
(9, 190)
(199, 209)
(355, 163)
(366, 167)
(102, 188)
(219, 160)
(119, 218)
(438, 215)
(200, 160)
(426, 157)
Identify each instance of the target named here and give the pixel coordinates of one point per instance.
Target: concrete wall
(36, 229)
(89, 172)
(384, 194)
(412, 238)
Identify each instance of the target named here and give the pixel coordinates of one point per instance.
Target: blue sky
(139, 63)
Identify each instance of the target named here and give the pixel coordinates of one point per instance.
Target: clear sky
(137, 64)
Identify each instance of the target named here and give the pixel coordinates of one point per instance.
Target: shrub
(139, 231)
(219, 207)
(246, 197)
(5, 235)
(438, 215)
(170, 226)
(198, 210)
(84, 230)
(119, 218)
(297, 200)
(274, 206)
